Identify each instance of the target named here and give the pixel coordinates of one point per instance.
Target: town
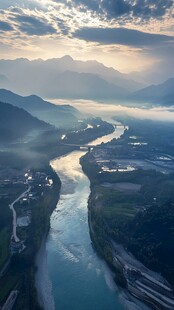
(37, 183)
(21, 192)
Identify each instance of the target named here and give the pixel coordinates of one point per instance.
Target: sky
(128, 35)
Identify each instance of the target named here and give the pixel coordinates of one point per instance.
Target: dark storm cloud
(4, 26)
(34, 26)
(121, 36)
(144, 9)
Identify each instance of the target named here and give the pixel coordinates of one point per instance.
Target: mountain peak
(67, 58)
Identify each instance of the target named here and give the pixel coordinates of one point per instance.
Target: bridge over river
(92, 146)
(83, 146)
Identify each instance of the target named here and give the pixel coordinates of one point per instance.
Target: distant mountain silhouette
(73, 79)
(162, 94)
(58, 115)
(16, 123)
(109, 74)
(75, 85)
(66, 78)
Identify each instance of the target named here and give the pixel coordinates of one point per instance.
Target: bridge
(119, 126)
(86, 146)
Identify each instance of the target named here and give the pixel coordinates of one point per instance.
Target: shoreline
(37, 278)
(43, 291)
(44, 286)
(39, 230)
(41, 256)
(148, 286)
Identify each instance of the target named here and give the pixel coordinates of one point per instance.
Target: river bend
(70, 274)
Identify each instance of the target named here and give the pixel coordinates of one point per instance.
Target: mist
(108, 111)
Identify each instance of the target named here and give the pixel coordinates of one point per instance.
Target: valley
(29, 199)
(86, 155)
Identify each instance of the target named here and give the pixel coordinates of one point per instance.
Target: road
(10, 300)
(14, 213)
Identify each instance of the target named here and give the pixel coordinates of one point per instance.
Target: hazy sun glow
(50, 29)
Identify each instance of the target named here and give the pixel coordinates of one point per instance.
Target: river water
(70, 274)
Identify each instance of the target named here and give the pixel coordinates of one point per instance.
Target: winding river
(70, 274)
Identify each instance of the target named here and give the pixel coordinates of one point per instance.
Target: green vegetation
(28, 294)
(5, 231)
(4, 246)
(158, 135)
(150, 236)
(63, 116)
(15, 123)
(5, 214)
(142, 220)
(8, 283)
(41, 211)
(99, 128)
(35, 154)
(140, 223)
(21, 272)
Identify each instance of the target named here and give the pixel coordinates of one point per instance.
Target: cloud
(47, 28)
(121, 36)
(30, 4)
(34, 26)
(4, 26)
(112, 9)
(107, 111)
(62, 26)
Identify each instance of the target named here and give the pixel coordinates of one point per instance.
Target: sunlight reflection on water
(79, 278)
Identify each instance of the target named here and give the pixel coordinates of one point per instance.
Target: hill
(16, 123)
(58, 115)
(162, 94)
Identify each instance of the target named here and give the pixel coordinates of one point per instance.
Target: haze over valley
(70, 79)
(86, 155)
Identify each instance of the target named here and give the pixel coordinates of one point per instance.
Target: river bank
(34, 157)
(129, 273)
(75, 277)
(118, 204)
(43, 285)
(68, 246)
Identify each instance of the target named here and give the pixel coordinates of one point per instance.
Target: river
(70, 274)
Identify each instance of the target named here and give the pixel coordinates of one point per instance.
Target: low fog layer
(108, 110)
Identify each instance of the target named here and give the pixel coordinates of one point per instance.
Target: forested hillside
(15, 123)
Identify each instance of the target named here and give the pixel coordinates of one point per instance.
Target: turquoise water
(80, 280)
(70, 274)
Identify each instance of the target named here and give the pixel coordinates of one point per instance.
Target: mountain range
(57, 115)
(66, 78)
